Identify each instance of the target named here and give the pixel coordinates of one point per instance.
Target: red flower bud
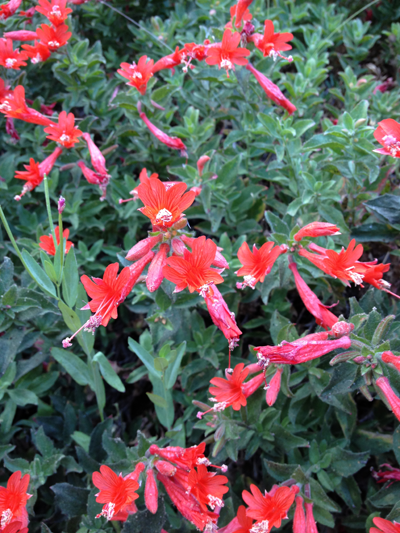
(20, 35)
(311, 526)
(201, 163)
(155, 274)
(151, 492)
(317, 229)
(341, 328)
(97, 158)
(196, 190)
(165, 468)
(274, 387)
(178, 246)
(136, 473)
(143, 247)
(393, 400)
(220, 261)
(299, 519)
(135, 271)
(272, 90)
(253, 384)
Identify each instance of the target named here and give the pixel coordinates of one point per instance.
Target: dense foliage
(273, 166)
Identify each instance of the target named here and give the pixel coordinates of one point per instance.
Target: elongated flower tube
(155, 273)
(165, 468)
(20, 35)
(253, 384)
(393, 400)
(274, 387)
(391, 359)
(317, 229)
(143, 247)
(97, 158)
(299, 519)
(311, 526)
(7, 10)
(301, 350)
(241, 7)
(172, 142)
(271, 90)
(201, 163)
(35, 172)
(170, 61)
(14, 106)
(151, 492)
(102, 180)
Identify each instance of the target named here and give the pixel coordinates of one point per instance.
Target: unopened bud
(178, 246)
(274, 387)
(165, 468)
(143, 247)
(155, 274)
(196, 190)
(201, 163)
(180, 224)
(61, 204)
(151, 492)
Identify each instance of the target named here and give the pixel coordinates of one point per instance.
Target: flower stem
(11, 237)
(47, 196)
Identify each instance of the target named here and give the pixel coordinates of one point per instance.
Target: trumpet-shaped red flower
(14, 106)
(138, 74)
(229, 392)
(241, 10)
(384, 526)
(388, 135)
(391, 359)
(164, 207)
(155, 273)
(184, 458)
(151, 492)
(301, 350)
(38, 52)
(271, 90)
(34, 173)
(172, 142)
(274, 386)
(323, 316)
(171, 60)
(7, 10)
(271, 43)
(97, 158)
(373, 275)
(317, 229)
(47, 242)
(340, 265)
(207, 487)
(311, 526)
(53, 37)
(193, 269)
(227, 54)
(102, 180)
(393, 400)
(116, 492)
(143, 247)
(257, 263)
(299, 519)
(13, 500)
(10, 58)
(64, 132)
(20, 35)
(269, 509)
(56, 11)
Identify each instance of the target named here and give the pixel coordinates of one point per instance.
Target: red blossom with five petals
(271, 43)
(38, 52)
(53, 37)
(56, 11)
(271, 508)
(257, 263)
(138, 74)
(47, 241)
(227, 54)
(207, 487)
(10, 58)
(64, 132)
(229, 391)
(13, 500)
(388, 135)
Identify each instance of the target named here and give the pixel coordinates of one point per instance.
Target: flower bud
(196, 190)
(151, 492)
(341, 328)
(177, 246)
(136, 473)
(97, 158)
(253, 384)
(317, 229)
(201, 163)
(180, 224)
(20, 35)
(220, 261)
(299, 519)
(165, 468)
(136, 270)
(143, 247)
(311, 526)
(393, 400)
(61, 204)
(155, 274)
(274, 387)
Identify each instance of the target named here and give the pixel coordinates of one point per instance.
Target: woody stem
(47, 196)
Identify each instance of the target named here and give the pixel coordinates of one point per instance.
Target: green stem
(353, 16)
(47, 196)
(62, 251)
(11, 237)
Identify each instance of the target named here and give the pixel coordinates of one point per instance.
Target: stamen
(163, 216)
(6, 517)
(10, 62)
(54, 44)
(64, 138)
(37, 59)
(260, 527)
(107, 511)
(214, 501)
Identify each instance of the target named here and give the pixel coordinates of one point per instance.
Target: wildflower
(10, 58)
(227, 54)
(165, 468)
(184, 458)
(246, 17)
(64, 132)
(38, 52)
(323, 316)
(102, 180)
(244, 522)
(274, 387)
(170, 61)
(55, 11)
(271, 43)
(53, 37)
(317, 229)
(20, 35)
(271, 508)
(171, 142)
(373, 274)
(35, 172)
(391, 359)
(301, 350)
(257, 263)
(271, 90)
(388, 135)
(201, 162)
(299, 519)
(253, 384)
(391, 474)
(385, 526)
(393, 400)
(340, 265)
(241, 9)
(219, 260)
(97, 158)
(311, 526)
(230, 390)
(7, 10)
(14, 106)
(116, 492)
(207, 487)
(155, 274)
(143, 247)
(151, 492)
(47, 241)
(195, 51)
(13, 500)
(137, 74)
(164, 207)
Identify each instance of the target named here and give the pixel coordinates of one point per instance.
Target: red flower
(116, 492)
(102, 180)
(10, 58)
(4, 90)
(15, 527)
(317, 229)
(271, 43)
(241, 9)
(311, 526)
(372, 274)
(195, 51)
(391, 359)
(268, 510)
(385, 526)
(201, 162)
(185, 458)
(393, 400)
(97, 158)
(271, 90)
(256, 264)
(245, 523)
(193, 269)
(170, 61)
(55, 11)
(207, 487)
(20, 35)
(13, 500)
(274, 387)
(47, 242)
(138, 74)
(155, 273)
(38, 52)
(14, 106)
(34, 173)
(227, 54)
(151, 492)
(7, 10)
(388, 135)
(171, 142)
(229, 391)
(301, 350)
(64, 132)
(219, 259)
(340, 265)
(53, 37)
(323, 316)
(143, 247)
(164, 207)
(391, 474)
(247, 16)
(299, 519)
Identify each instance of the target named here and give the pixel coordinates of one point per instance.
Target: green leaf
(146, 522)
(82, 439)
(386, 207)
(71, 500)
(75, 367)
(146, 358)
(6, 274)
(23, 397)
(229, 172)
(108, 372)
(157, 400)
(39, 275)
(172, 371)
(70, 279)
